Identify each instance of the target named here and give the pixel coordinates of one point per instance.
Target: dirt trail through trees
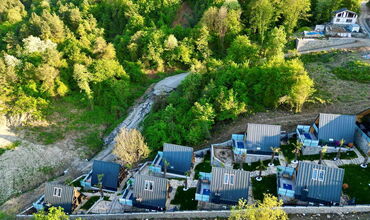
(76, 166)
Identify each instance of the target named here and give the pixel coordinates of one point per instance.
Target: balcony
(307, 138)
(156, 166)
(128, 195)
(204, 187)
(285, 182)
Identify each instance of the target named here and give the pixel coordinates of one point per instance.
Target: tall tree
(130, 146)
(293, 11)
(261, 17)
(273, 49)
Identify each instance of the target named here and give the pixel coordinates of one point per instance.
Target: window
(232, 177)
(314, 174)
(148, 185)
(338, 20)
(226, 178)
(57, 192)
(349, 20)
(321, 175)
(340, 15)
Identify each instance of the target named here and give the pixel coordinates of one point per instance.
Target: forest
(100, 51)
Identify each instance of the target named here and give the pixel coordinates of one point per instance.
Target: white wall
(344, 19)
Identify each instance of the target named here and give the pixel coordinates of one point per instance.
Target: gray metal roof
(228, 192)
(156, 198)
(111, 173)
(328, 190)
(336, 127)
(64, 201)
(179, 157)
(263, 136)
(342, 10)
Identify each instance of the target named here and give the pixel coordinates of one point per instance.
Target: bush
(358, 71)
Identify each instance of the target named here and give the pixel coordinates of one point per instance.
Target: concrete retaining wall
(361, 141)
(313, 44)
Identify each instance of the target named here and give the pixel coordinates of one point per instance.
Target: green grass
(90, 202)
(186, 199)
(11, 146)
(204, 166)
(322, 57)
(358, 180)
(289, 155)
(358, 71)
(266, 185)
(329, 156)
(254, 165)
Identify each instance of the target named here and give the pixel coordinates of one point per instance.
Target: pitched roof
(111, 173)
(263, 136)
(179, 157)
(64, 201)
(329, 189)
(155, 198)
(340, 10)
(230, 192)
(332, 126)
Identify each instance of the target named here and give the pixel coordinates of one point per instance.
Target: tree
(243, 156)
(171, 42)
(187, 174)
(273, 48)
(302, 86)
(275, 150)
(341, 142)
(130, 146)
(54, 213)
(322, 153)
(260, 168)
(366, 158)
(268, 209)
(242, 50)
(293, 11)
(100, 184)
(261, 17)
(82, 77)
(166, 164)
(297, 150)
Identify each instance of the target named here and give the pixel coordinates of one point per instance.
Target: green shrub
(358, 71)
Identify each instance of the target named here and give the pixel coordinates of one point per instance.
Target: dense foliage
(100, 50)
(189, 113)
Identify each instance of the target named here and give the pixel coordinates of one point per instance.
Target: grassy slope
(358, 180)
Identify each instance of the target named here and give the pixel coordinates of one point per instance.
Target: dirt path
(63, 157)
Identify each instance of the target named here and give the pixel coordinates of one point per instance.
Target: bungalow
(226, 186)
(56, 195)
(177, 158)
(327, 129)
(310, 182)
(111, 173)
(147, 192)
(362, 134)
(259, 139)
(344, 16)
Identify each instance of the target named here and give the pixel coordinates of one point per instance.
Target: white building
(344, 16)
